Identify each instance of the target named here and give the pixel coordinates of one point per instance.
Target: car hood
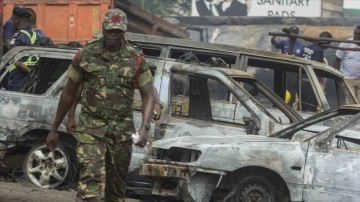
(193, 142)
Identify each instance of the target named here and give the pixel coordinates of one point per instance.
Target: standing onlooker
(315, 51)
(25, 36)
(10, 28)
(283, 45)
(349, 63)
(232, 8)
(107, 70)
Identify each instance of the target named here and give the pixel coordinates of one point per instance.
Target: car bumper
(169, 180)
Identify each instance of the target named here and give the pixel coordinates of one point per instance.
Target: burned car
(313, 160)
(312, 86)
(198, 100)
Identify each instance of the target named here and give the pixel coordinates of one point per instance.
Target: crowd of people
(20, 30)
(346, 60)
(314, 51)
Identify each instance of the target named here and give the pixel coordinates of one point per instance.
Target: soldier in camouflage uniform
(108, 69)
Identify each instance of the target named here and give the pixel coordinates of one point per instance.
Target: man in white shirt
(349, 63)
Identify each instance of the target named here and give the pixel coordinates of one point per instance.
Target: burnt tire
(46, 169)
(255, 189)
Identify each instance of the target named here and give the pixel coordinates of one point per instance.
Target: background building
(352, 8)
(295, 8)
(332, 8)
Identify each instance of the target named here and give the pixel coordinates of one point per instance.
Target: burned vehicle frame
(313, 86)
(26, 117)
(312, 160)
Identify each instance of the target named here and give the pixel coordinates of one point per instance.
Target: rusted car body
(198, 100)
(312, 160)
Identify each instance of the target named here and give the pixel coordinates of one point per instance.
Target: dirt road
(15, 192)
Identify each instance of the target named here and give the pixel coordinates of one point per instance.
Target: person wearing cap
(25, 36)
(107, 71)
(283, 45)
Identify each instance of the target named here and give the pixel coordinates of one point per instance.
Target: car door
(332, 169)
(199, 105)
(139, 154)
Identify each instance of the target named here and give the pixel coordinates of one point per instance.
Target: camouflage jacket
(108, 92)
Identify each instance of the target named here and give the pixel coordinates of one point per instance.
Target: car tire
(255, 188)
(46, 169)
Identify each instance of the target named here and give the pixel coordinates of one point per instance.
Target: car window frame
(312, 121)
(44, 52)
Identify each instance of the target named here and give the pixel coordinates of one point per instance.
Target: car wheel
(44, 168)
(255, 189)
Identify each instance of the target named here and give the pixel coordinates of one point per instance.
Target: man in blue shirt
(284, 45)
(315, 51)
(25, 36)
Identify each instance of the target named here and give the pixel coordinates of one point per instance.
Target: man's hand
(157, 111)
(142, 137)
(52, 140)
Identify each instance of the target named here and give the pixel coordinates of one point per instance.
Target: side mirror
(251, 126)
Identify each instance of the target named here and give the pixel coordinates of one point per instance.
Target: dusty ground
(15, 192)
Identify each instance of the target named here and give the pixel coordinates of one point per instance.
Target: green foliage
(166, 7)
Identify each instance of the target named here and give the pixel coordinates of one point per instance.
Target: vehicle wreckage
(198, 100)
(312, 160)
(281, 73)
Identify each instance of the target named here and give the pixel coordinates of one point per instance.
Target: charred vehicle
(198, 100)
(313, 160)
(309, 86)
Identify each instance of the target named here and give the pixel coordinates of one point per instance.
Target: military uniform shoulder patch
(135, 49)
(77, 56)
(92, 41)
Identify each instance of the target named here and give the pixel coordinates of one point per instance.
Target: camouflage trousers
(103, 167)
